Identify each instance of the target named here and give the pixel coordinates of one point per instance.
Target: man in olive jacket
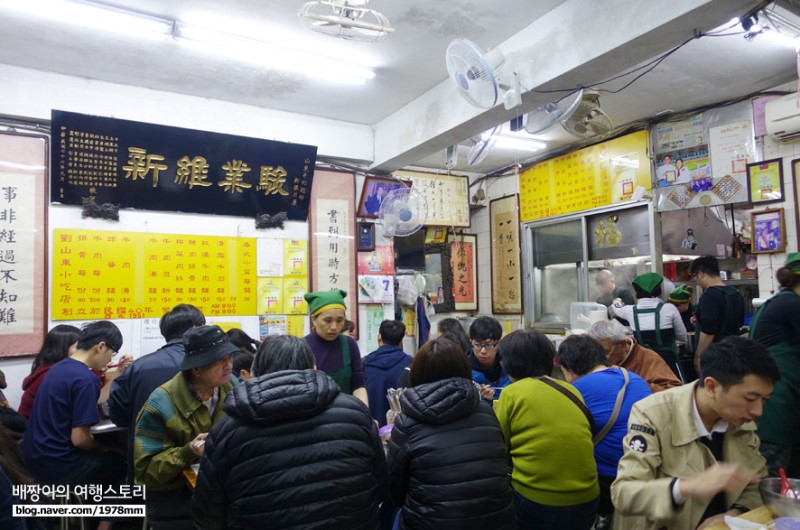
(173, 424)
(691, 453)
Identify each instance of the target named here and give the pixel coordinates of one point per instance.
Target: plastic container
(589, 317)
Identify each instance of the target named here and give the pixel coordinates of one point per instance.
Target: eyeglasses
(488, 346)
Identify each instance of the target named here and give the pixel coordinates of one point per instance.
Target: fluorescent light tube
(99, 16)
(260, 52)
(519, 143)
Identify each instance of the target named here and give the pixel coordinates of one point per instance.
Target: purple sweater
(329, 357)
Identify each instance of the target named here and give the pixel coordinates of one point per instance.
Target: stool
(64, 519)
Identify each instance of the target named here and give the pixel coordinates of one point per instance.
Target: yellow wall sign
(103, 275)
(603, 174)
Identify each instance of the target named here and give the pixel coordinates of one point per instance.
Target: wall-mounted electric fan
(403, 212)
(481, 78)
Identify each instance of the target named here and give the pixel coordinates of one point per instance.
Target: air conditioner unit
(782, 118)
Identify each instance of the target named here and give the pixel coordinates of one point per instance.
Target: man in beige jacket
(691, 453)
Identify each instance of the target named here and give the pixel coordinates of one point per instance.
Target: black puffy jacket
(293, 452)
(448, 466)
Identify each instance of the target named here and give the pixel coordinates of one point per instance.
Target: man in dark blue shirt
(383, 367)
(59, 447)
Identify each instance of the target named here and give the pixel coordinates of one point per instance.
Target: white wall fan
(579, 114)
(403, 211)
(482, 79)
(346, 19)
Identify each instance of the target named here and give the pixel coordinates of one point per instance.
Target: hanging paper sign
(293, 291)
(376, 289)
(270, 296)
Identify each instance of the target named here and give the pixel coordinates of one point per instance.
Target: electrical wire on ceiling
(516, 167)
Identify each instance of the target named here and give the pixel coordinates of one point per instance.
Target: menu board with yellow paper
(295, 257)
(270, 296)
(293, 291)
(599, 175)
(114, 275)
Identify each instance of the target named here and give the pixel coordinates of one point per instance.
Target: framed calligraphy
(23, 215)
(765, 181)
(332, 233)
(155, 167)
(447, 197)
(373, 192)
(463, 260)
(439, 277)
(506, 255)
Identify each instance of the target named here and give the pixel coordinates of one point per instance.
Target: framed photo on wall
(765, 181)
(373, 192)
(506, 255)
(769, 231)
(463, 261)
(332, 236)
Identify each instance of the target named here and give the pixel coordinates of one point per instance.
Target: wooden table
(759, 515)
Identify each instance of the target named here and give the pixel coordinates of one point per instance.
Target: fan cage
(473, 73)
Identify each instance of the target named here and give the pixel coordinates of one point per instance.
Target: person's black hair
(641, 293)
(349, 326)
(56, 345)
(484, 328)
(731, 359)
(100, 331)
(283, 352)
(242, 360)
(455, 329)
(787, 278)
(461, 340)
(526, 353)
(392, 332)
(179, 320)
(439, 359)
(11, 460)
(242, 340)
(580, 354)
(705, 264)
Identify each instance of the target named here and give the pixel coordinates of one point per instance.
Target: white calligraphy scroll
(332, 227)
(23, 263)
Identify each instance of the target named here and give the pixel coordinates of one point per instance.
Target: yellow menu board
(600, 175)
(103, 275)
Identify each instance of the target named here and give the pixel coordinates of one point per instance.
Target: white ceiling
(409, 62)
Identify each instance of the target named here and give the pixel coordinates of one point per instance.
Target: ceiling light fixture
(96, 15)
(522, 144)
(260, 52)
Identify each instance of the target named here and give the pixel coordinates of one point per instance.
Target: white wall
(768, 264)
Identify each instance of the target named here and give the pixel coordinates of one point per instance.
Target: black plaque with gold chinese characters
(155, 167)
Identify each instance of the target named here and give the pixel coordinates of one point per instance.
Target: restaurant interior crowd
(491, 431)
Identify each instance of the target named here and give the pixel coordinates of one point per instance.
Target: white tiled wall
(768, 264)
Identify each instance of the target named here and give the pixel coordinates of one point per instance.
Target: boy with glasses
(59, 447)
(487, 371)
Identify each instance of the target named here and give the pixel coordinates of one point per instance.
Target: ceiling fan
(346, 19)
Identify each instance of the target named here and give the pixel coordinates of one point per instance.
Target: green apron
(664, 345)
(780, 423)
(343, 375)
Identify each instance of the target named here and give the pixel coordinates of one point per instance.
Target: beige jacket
(662, 444)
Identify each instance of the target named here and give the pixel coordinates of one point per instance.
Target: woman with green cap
(681, 298)
(336, 353)
(776, 325)
(655, 324)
